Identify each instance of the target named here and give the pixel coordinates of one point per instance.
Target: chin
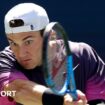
(29, 67)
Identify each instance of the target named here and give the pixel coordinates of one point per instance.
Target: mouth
(25, 61)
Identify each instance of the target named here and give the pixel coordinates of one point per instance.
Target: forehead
(22, 35)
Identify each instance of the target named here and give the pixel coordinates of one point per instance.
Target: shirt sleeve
(95, 87)
(8, 72)
(92, 69)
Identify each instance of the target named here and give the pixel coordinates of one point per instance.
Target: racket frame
(69, 85)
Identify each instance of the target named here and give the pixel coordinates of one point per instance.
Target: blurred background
(84, 20)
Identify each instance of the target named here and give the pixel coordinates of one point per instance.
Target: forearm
(27, 92)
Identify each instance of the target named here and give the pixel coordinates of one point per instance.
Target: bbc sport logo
(8, 93)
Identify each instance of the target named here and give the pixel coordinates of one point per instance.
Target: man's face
(27, 48)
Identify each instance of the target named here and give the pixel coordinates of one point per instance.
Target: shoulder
(7, 53)
(80, 48)
(83, 52)
(6, 58)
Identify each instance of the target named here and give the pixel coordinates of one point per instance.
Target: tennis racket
(57, 61)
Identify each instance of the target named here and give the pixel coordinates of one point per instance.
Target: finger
(80, 102)
(68, 99)
(81, 96)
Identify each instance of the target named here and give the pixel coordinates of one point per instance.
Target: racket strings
(57, 62)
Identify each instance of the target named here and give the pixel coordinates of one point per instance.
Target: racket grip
(49, 98)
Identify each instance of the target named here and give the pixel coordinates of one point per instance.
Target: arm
(27, 92)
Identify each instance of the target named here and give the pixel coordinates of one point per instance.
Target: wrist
(49, 98)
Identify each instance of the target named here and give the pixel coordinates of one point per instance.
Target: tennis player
(21, 63)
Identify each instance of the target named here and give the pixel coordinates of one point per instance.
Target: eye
(12, 43)
(28, 42)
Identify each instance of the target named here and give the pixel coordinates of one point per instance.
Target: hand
(68, 100)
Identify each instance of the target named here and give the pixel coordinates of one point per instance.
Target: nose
(22, 52)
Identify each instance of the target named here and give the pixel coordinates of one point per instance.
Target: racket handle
(73, 94)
